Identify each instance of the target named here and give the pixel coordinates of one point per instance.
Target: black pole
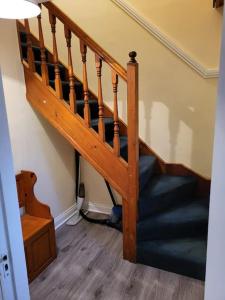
(110, 193)
(77, 168)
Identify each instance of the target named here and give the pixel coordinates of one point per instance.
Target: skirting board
(64, 216)
(166, 40)
(99, 208)
(67, 214)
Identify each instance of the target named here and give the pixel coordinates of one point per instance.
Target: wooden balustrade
(101, 124)
(87, 40)
(44, 68)
(72, 95)
(58, 82)
(116, 139)
(30, 54)
(130, 191)
(87, 116)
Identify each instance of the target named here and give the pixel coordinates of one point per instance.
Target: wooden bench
(37, 226)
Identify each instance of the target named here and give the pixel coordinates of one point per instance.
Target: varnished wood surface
(37, 226)
(90, 266)
(130, 204)
(99, 154)
(87, 40)
(32, 225)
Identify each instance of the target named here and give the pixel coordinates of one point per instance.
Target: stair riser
(109, 131)
(186, 268)
(146, 176)
(66, 90)
(51, 71)
(93, 110)
(171, 232)
(36, 51)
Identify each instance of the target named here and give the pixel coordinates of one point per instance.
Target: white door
(7, 290)
(13, 274)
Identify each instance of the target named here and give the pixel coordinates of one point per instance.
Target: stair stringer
(85, 140)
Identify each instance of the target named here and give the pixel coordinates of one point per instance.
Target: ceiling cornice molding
(166, 41)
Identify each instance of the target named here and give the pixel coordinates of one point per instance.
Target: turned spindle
(87, 116)
(116, 139)
(30, 54)
(72, 94)
(44, 68)
(101, 124)
(58, 82)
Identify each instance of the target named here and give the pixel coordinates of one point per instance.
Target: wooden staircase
(47, 96)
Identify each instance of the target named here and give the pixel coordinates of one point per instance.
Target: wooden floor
(90, 266)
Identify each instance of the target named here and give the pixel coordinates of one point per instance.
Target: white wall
(36, 145)
(215, 274)
(192, 25)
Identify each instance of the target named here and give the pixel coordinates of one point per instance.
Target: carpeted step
(51, 70)
(93, 104)
(109, 128)
(146, 169)
(36, 51)
(66, 89)
(164, 191)
(123, 147)
(183, 256)
(189, 219)
(23, 37)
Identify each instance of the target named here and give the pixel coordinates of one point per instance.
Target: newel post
(130, 205)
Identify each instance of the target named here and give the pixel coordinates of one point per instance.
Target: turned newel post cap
(132, 56)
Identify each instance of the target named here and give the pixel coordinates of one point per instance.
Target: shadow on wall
(177, 128)
(57, 156)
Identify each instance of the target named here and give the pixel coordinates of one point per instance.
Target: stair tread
(188, 219)
(49, 64)
(164, 183)
(164, 191)
(185, 256)
(107, 120)
(65, 82)
(197, 210)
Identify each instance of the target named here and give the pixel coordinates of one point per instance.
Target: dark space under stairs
(172, 224)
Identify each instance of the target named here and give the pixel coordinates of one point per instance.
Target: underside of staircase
(165, 206)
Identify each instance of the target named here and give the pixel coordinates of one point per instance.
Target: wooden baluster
(116, 139)
(87, 116)
(44, 68)
(101, 124)
(58, 82)
(130, 205)
(72, 95)
(30, 54)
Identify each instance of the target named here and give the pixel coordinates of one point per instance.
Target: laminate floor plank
(89, 266)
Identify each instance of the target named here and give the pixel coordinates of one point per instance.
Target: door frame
(10, 209)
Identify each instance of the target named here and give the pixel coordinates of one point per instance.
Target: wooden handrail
(87, 40)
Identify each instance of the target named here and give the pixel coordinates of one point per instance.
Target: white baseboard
(64, 216)
(99, 208)
(67, 214)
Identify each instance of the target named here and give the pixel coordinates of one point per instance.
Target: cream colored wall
(36, 145)
(177, 105)
(193, 25)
